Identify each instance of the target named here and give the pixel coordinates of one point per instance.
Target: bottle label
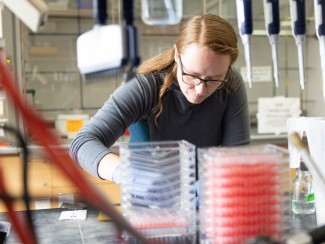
(310, 197)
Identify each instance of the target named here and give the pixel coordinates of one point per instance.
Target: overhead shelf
(71, 13)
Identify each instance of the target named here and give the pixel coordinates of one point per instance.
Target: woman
(189, 92)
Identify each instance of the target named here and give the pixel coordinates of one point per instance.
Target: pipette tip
(302, 85)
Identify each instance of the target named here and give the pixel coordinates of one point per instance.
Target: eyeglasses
(195, 81)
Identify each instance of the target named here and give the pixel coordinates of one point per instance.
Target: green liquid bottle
(303, 199)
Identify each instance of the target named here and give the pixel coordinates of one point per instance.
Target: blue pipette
(272, 25)
(245, 27)
(319, 6)
(298, 24)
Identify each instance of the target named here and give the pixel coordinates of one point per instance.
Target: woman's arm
(107, 166)
(90, 149)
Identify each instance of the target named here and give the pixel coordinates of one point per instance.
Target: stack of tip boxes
(245, 193)
(157, 190)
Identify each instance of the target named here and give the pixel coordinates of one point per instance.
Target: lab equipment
(319, 7)
(161, 12)
(244, 193)
(103, 48)
(245, 27)
(4, 230)
(3, 113)
(68, 125)
(298, 25)
(303, 199)
(157, 188)
(33, 13)
(315, 236)
(107, 50)
(312, 154)
(272, 25)
(132, 44)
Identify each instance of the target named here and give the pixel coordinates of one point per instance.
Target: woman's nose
(199, 89)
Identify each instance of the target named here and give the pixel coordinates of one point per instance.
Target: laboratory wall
(314, 99)
(54, 86)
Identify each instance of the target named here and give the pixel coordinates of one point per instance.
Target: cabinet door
(59, 179)
(63, 190)
(39, 179)
(72, 194)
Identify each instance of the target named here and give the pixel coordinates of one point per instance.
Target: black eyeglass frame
(223, 82)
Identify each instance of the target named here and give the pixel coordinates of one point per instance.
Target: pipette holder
(157, 190)
(313, 128)
(244, 193)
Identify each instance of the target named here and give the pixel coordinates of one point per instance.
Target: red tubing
(23, 230)
(59, 156)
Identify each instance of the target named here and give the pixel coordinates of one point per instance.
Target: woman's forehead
(197, 59)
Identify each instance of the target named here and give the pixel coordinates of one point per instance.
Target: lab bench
(50, 187)
(49, 229)
(36, 150)
(47, 185)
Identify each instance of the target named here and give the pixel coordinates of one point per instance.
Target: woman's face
(200, 72)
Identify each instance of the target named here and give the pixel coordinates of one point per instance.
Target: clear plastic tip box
(157, 190)
(245, 193)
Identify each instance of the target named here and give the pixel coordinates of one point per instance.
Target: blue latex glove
(151, 189)
(160, 191)
(116, 176)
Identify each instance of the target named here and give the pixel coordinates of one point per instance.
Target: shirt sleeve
(236, 122)
(129, 103)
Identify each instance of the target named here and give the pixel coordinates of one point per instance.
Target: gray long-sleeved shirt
(220, 120)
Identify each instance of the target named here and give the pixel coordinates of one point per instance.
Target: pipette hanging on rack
(272, 25)
(245, 27)
(319, 7)
(298, 25)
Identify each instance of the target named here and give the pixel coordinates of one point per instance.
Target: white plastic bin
(314, 130)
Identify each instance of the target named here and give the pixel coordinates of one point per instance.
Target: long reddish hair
(208, 30)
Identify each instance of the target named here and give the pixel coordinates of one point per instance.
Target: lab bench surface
(50, 229)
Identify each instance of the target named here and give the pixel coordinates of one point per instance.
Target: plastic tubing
(59, 156)
(24, 231)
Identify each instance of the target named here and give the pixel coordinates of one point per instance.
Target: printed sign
(273, 113)
(259, 73)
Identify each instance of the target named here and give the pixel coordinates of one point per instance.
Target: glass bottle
(303, 200)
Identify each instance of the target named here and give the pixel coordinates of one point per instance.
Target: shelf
(71, 13)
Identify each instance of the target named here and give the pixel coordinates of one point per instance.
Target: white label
(273, 113)
(259, 73)
(75, 214)
(43, 204)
